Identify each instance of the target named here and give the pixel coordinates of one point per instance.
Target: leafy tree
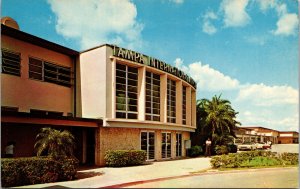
(54, 143)
(215, 119)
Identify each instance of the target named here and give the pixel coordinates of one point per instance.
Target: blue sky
(246, 50)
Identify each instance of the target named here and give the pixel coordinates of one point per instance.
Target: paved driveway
(108, 176)
(252, 178)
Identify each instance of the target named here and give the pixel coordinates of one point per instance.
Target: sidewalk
(114, 176)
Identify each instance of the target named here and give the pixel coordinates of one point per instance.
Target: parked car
(260, 145)
(266, 146)
(246, 146)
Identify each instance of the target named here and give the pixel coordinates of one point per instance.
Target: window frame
(10, 65)
(128, 94)
(171, 101)
(184, 105)
(44, 71)
(153, 98)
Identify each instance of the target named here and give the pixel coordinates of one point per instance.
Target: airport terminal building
(109, 97)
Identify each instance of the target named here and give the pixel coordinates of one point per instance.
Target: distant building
(109, 97)
(263, 135)
(288, 137)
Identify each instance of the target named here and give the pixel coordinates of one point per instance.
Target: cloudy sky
(246, 50)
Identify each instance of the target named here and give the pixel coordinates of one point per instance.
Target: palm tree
(55, 143)
(220, 116)
(215, 119)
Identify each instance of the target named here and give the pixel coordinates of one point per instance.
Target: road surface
(257, 178)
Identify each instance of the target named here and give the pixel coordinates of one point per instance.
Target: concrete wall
(29, 94)
(93, 83)
(130, 139)
(116, 139)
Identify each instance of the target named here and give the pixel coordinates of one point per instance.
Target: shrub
(254, 159)
(195, 151)
(35, 170)
(232, 148)
(68, 168)
(290, 157)
(120, 158)
(221, 149)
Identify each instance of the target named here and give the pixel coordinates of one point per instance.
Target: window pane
(121, 73)
(156, 118)
(35, 76)
(132, 108)
(121, 115)
(148, 117)
(11, 62)
(132, 70)
(120, 67)
(121, 107)
(132, 116)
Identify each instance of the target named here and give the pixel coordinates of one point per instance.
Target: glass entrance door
(147, 144)
(166, 145)
(178, 144)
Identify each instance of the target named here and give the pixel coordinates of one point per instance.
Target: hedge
(254, 159)
(221, 149)
(195, 151)
(121, 158)
(36, 170)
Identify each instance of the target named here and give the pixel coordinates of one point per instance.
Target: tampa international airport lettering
(153, 62)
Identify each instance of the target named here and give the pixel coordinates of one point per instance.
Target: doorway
(148, 144)
(166, 145)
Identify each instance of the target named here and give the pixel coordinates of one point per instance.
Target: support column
(113, 89)
(193, 113)
(141, 93)
(188, 106)
(179, 102)
(163, 98)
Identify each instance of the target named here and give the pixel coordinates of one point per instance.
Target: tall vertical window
(183, 105)
(11, 62)
(171, 99)
(166, 145)
(49, 72)
(126, 91)
(152, 97)
(178, 144)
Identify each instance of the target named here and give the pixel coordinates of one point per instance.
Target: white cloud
(287, 25)
(266, 4)
(258, 118)
(210, 15)
(179, 64)
(263, 95)
(96, 22)
(235, 14)
(207, 78)
(177, 1)
(207, 26)
(274, 107)
(258, 40)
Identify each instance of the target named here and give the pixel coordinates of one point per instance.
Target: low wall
(280, 148)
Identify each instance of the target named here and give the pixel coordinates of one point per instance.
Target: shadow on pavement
(56, 186)
(83, 175)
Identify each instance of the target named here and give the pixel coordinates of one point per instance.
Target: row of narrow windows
(38, 69)
(127, 95)
(148, 144)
